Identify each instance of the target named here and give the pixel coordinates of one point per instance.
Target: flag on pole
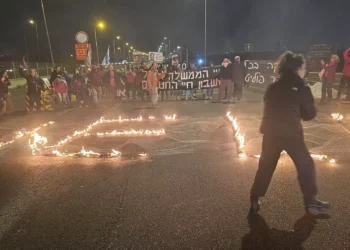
(88, 56)
(106, 59)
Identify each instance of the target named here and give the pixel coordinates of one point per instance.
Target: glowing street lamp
(118, 37)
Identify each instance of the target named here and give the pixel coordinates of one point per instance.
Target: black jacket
(239, 72)
(35, 84)
(287, 102)
(4, 87)
(225, 73)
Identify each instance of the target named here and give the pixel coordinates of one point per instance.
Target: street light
(47, 33)
(31, 21)
(179, 47)
(118, 37)
(165, 38)
(100, 25)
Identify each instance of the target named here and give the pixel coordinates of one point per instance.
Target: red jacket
(346, 71)
(330, 71)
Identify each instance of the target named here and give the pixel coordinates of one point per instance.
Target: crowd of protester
(139, 82)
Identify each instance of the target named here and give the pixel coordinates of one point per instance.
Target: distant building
(248, 47)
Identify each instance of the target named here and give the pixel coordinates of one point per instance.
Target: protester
(153, 78)
(191, 93)
(35, 84)
(238, 75)
(345, 80)
(210, 90)
(95, 80)
(112, 82)
(60, 87)
(79, 78)
(165, 92)
(225, 76)
(287, 102)
(55, 74)
(4, 92)
(130, 83)
(329, 78)
(141, 74)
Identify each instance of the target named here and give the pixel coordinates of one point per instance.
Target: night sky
(144, 23)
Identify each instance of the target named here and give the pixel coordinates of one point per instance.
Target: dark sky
(144, 23)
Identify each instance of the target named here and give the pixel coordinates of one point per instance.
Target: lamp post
(205, 34)
(47, 33)
(100, 25)
(165, 38)
(125, 48)
(31, 21)
(179, 47)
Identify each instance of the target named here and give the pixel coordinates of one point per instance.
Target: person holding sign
(153, 78)
(225, 76)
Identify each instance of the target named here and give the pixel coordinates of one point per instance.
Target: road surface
(191, 192)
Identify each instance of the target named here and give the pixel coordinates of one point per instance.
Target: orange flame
(20, 134)
(337, 116)
(40, 141)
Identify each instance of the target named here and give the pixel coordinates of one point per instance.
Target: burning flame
(20, 134)
(87, 153)
(37, 141)
(238, 136)
(133, 132)
(337, 116)
(240, 140)
(170, 118)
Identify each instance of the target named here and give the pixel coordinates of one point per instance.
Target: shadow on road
(263, 237)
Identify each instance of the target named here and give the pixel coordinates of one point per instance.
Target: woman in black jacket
(35, 85)
(287, 102)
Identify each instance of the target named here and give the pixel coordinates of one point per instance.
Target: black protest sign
(188, 79)
(260, 72)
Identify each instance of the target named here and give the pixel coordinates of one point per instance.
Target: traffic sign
(81, 37)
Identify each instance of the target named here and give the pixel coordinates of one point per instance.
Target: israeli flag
(106, 59)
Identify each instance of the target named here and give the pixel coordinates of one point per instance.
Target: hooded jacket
(287, 102)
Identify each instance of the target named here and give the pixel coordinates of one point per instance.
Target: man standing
(112, 82)
(225, 76)
(238, 76)
(96, 78)
(35, 84)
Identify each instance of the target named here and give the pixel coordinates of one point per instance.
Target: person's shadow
(263, 237)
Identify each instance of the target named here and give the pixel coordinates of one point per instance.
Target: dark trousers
(35, 100)
(130, 87)
(297, 150)
(326, 90)
(345, 81)
(80, 94)
(139, 91)
(237, 90)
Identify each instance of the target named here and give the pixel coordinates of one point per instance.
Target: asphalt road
(192, 192)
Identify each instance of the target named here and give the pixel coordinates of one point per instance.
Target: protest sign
(155, 56)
